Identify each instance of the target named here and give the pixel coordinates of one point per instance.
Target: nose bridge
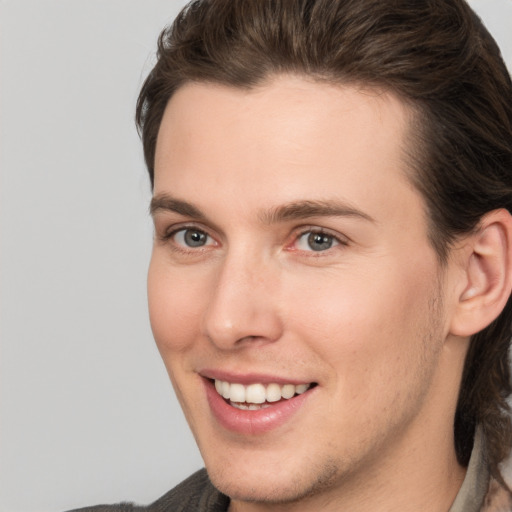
(242, 302)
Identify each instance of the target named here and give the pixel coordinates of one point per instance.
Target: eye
(191, 237)
(316, 241)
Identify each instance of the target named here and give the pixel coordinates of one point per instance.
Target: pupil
(195, 238)
(319, 241)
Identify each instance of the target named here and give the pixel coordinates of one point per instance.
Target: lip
(249, 378)
(253, 423)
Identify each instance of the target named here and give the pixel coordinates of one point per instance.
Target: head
(434, 59)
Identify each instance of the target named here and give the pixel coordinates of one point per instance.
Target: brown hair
(437, 56)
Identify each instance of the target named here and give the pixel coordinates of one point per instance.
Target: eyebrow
(295, 210)
(304, 209)
(163, 202)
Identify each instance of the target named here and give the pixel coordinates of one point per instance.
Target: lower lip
(253, 422)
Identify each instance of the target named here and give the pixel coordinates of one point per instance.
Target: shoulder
(497, 498)
(195, 493)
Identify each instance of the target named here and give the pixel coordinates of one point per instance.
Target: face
(294, 296)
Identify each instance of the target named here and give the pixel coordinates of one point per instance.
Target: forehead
(286, 139)
(283, 107)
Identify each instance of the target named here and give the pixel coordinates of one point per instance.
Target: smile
(257, 396)
(258, 406)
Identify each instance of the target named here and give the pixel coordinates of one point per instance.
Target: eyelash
(308, 230)
(314, 230)
(169, 235)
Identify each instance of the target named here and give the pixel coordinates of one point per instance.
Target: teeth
(255, 396)
(301, 388)
(273, 392)
(288, 390)
(250, 407)
(225, 389)
(236, 392)
(255, 393)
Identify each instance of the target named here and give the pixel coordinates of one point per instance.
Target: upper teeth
(258, 393)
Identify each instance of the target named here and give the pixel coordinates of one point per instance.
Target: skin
(367, 319)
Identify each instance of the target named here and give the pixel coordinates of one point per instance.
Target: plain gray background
(87, 413)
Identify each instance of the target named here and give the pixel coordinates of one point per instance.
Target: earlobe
(488, 274)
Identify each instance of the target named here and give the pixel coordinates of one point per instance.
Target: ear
(487, 264)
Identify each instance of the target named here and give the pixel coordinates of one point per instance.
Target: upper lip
(249, 377)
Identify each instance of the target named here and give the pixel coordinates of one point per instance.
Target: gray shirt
(471, 495)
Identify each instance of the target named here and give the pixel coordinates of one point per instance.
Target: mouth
(253, 404)
(257, 396)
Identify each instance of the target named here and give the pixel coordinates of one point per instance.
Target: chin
(258, 485)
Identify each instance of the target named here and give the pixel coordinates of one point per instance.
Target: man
(332, 266)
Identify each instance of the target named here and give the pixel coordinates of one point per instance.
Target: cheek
(175, 304)
(368, 329)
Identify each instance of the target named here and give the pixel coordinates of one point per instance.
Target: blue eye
(316, 241)
(190, 237)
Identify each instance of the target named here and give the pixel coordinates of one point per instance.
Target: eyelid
(342, 240)
(172, 230)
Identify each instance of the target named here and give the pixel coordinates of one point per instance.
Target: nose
(243, 307)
